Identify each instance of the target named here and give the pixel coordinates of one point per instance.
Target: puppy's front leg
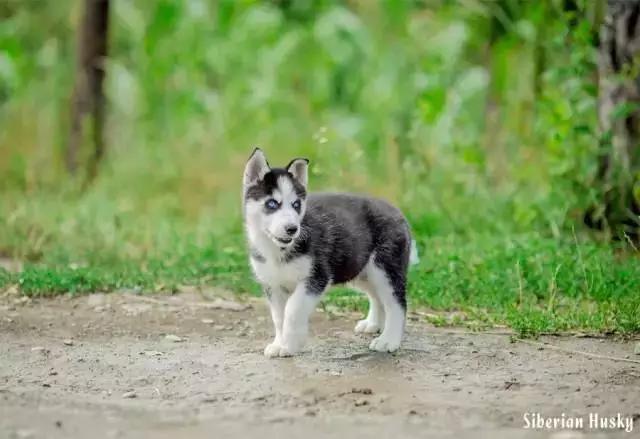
(296, 317)
(277, 301)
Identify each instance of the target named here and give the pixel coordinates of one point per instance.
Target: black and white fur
(300, 244)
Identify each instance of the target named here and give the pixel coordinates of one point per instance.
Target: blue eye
(271, 204)
(296, 205)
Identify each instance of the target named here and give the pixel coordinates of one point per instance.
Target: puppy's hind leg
(390, 287)
(375, 317)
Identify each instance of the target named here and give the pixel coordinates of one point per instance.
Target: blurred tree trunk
(619, 117)
(87, 106)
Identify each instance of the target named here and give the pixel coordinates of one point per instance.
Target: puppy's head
(275, 198)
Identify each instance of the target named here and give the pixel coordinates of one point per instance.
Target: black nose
(291, 229)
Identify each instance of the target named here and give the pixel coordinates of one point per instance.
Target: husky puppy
(300, 244)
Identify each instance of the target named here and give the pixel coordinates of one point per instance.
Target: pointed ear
(256, 167)
(299, 169)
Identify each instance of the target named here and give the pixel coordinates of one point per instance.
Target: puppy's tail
(413, 253)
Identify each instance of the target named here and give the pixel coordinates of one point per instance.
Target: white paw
(384, 344)
(284, 352)
(274, 350)
(366, 327)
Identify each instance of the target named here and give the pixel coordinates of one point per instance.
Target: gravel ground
(186, 366)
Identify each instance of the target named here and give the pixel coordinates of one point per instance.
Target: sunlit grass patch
(531, 283)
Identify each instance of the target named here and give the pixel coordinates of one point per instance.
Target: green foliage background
(477, 117)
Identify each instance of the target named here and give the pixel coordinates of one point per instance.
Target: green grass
(532, 283)
(477, 118)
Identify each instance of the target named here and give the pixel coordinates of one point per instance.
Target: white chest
(276, 273)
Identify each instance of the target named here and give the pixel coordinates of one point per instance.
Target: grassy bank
(533, 282)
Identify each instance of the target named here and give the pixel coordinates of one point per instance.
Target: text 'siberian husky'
(300, 244)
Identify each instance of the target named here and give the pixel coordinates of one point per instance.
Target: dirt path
(102, 366)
